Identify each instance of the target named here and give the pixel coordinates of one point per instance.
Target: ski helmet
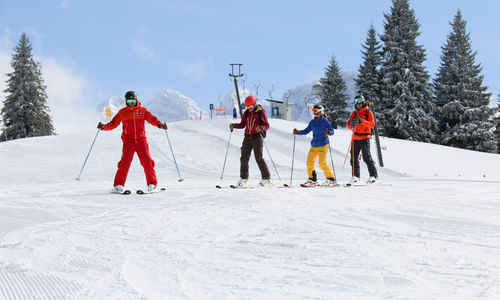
(359, 99)
(250, 101)
(130, 95)
(318, 108)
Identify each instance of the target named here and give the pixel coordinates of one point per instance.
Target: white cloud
(144, 52)
(67, 94)
(143, 29)
(195, 71)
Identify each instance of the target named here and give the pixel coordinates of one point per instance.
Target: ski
(241, 187)
(367, 184)
(319, 186)
(141, 192)
(125, 192)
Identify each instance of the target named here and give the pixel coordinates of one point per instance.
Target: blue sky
(111, 46)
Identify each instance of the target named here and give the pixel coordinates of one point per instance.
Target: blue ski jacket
(318, 126)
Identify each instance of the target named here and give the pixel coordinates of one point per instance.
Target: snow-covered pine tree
(369, 77)
(463, 113)
(406, 107)
(25, 112)
(496, 120)
(333, 94)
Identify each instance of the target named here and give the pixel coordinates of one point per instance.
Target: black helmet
(320, 108)
(359, 99)
(130, 95)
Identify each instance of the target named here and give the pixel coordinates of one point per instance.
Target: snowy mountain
(171, 105)
(230, 100)
(431, 232)
(114, 103)
(303, 96)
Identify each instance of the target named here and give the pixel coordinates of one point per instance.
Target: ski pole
(175, 161)
(293, 158)
(270, 157)
(225, 157)
(78, 178)
(349, 148)
(331, 158)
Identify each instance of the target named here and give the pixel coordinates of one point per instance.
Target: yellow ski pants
(320, 152)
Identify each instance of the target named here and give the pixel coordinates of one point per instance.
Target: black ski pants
(364, 147)
(256, 144)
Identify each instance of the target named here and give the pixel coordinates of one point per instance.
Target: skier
(321, 129)
(361, 122)
(134, 140)
(255, 122)
(235, 114)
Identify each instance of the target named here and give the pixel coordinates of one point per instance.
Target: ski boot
(330, 182)
(266, 182)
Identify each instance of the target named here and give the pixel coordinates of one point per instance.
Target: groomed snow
(431, 232)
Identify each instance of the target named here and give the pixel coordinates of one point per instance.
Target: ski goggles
(358, 101)
(316, 111)
(131, 101)
(249, 107)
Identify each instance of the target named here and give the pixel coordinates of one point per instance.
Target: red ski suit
(134, 140)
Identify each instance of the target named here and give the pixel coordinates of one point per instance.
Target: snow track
(423, 237)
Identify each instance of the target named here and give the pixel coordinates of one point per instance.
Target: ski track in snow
(423, 237)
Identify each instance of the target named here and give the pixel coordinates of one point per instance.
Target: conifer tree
(369, 77)
(25, 112)
(496, 122)
(333, 94)
(406, 107)
(463, 113)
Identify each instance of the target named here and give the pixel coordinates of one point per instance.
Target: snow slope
(434, 233)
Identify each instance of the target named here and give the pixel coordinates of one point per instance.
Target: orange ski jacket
(133, 119)
(363, 130)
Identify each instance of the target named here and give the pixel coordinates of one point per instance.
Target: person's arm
(351, 118)
(306, 130)
(328, 127)
(264, 122)
(368, 124)
(152, 119)
(243, 122)
(113, 123)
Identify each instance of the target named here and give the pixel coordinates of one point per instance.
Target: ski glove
(295, 131)
(101, 126)
(327, 132)
(231, 126)
(356, 121)
(163, 126)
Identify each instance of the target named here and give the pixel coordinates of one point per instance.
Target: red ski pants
(142, 149)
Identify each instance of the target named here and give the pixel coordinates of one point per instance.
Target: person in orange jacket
(133, 118)
(361, 122)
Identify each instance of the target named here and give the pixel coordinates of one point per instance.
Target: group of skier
(133, 117)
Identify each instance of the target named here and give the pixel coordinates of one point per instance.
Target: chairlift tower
(235, 76)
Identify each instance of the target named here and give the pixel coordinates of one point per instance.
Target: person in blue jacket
(321, 129)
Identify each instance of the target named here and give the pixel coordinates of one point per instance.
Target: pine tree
(333, 94)
(25, 112)
(369, 77)
(406, 107)
(462, 101)
(496, 122)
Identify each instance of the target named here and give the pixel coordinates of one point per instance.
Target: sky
(91, 50)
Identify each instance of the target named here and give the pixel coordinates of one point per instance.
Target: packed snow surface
(431, 231)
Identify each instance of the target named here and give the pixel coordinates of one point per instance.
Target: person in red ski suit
(133, 118)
